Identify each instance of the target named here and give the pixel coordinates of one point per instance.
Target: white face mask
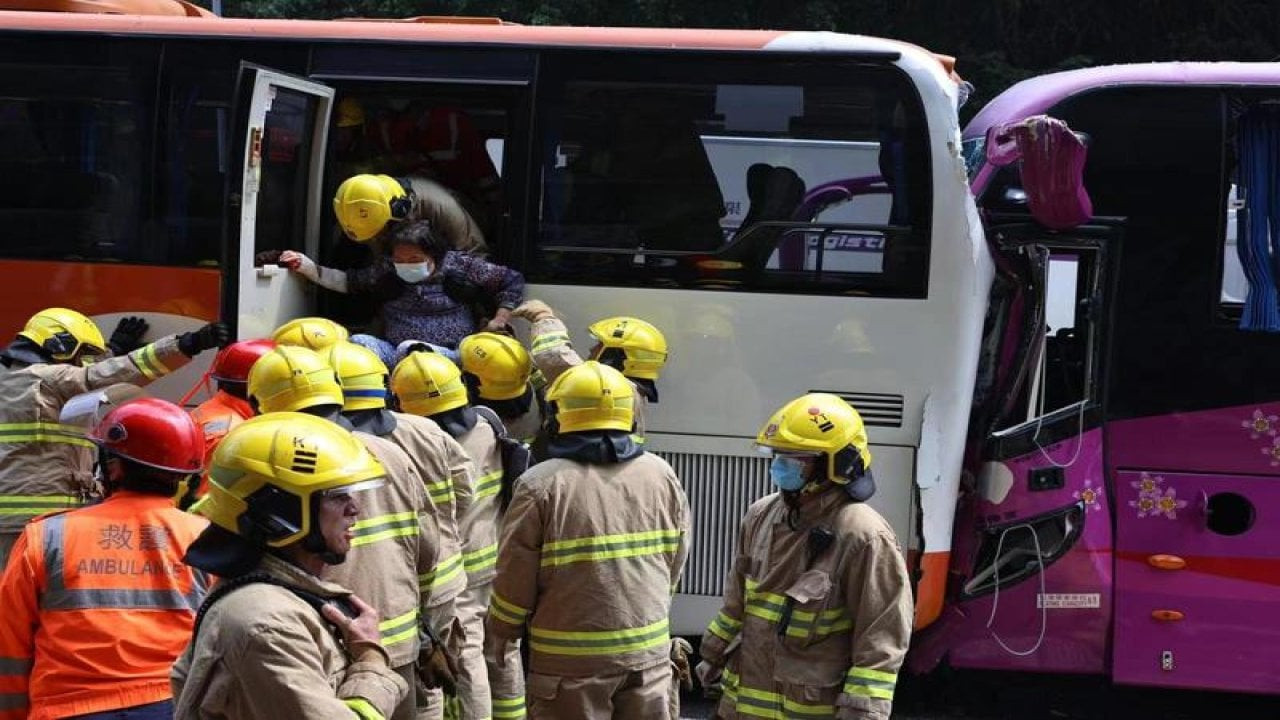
(413, 272)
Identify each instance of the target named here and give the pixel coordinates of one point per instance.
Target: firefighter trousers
(473, 699)
(637, 695)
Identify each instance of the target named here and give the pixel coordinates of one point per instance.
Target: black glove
(213, 335)
(267, 257)
(127, 336)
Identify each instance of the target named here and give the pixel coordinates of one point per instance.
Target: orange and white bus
(673, 174)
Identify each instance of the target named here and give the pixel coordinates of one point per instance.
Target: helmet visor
(772, 452)
(345, 492)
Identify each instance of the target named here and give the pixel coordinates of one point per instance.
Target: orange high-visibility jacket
(216, 416)
(97, 605)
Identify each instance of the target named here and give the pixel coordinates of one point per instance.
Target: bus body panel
(1187, 421)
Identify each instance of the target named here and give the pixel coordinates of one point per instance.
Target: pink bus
(1118, 511)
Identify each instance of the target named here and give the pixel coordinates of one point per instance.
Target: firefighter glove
(127, 336)
(680, 651)
(213, 335)
(533, 311)
(437, 667)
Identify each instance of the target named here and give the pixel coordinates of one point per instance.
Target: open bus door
(1033, 543)
(283, 124)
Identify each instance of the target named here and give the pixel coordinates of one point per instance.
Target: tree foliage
(996, 42)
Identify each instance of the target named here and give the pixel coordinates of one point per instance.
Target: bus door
(283, 122)
(1037, 544)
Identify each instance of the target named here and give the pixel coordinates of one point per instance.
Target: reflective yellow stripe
(508, 708)
(549, 341)
(382, 527)
(399, 629)
(149, 362)
(444, 571)
(599, 642)
(36, 504)
(363, 709)
(441, 492)
(770, 705)
(482, 559)
(506, 611)
(724, 627)
(870, 683)
(488, 485)
(49, 432)
(610, 547)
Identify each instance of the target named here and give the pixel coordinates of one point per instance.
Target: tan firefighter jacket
(479, 524)
(850, 620)
(553, 354)
(446, 469)
(45, 465)
(263, 652)
(444, 208)
(589, 558)
(395, 547)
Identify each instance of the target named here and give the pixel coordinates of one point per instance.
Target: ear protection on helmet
(401, 206)
(271, 513)
(848, 463)
(63, 343)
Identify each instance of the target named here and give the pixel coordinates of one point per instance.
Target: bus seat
(774, 193)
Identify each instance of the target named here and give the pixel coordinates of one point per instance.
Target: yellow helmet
(822, 424)
(289, 379)
(316, 333)
(63, 333)
(643, 346)
(364, 204)
(350, 113)
(592, 396)
(427, 384)
(362, 375)
(500, 362)
(266, 470)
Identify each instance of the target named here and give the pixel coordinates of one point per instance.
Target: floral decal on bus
(1089, 495)
(1273, 451)
(1155, 500)
(1260, 424)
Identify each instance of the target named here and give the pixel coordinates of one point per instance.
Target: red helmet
(152, 432)
(233, 362)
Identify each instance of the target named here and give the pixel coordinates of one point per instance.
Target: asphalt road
(973, 695)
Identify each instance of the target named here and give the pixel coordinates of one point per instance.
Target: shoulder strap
(499, 429)
(226, 587)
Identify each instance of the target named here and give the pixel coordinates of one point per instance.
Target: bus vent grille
(720, 489)
(876, 409)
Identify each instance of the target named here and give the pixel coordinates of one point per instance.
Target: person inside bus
(426, 291)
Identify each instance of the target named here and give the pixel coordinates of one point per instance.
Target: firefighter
(817, 609)
(283, 512)
(396, 559)
(430, 385)
(314, 333)
(366, 205)
(229, 405)
(592, 547)
(628, 344)
(44, 464)
(97, 603)
(439, 459)
(498, 373)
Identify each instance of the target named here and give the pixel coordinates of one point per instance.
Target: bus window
(74, 145)
(285, 170)
(713, 176)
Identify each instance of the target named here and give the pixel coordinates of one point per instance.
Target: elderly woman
(427, 292)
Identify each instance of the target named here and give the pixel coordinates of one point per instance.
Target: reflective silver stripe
(13, 701)
(14, 666)
(57, 596)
